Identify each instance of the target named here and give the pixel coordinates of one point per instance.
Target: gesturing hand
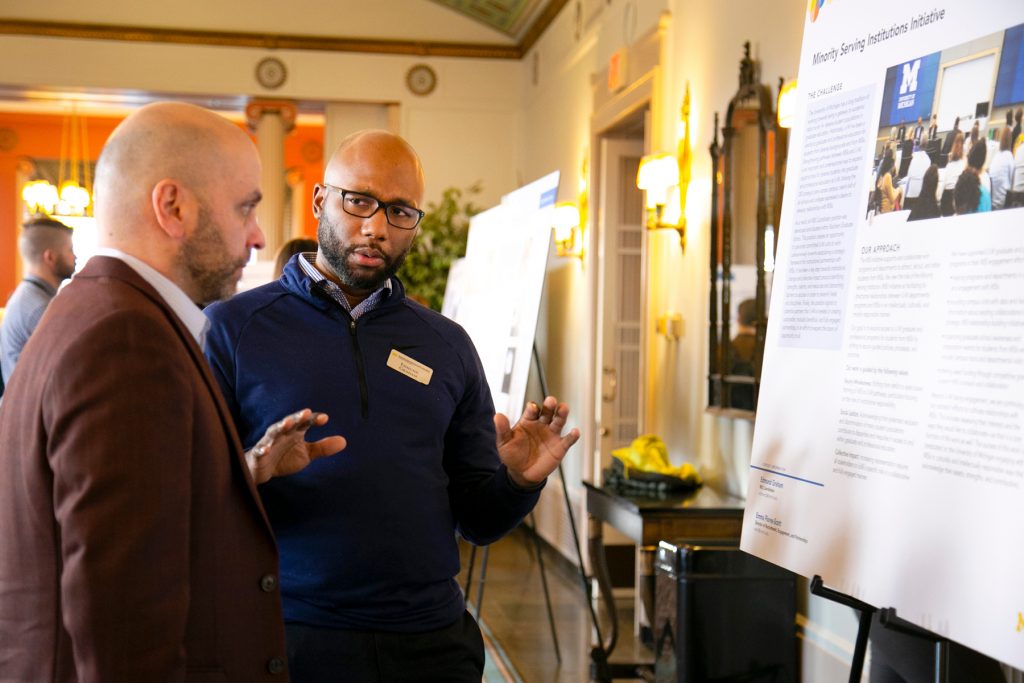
(534, 447)
(284, 450)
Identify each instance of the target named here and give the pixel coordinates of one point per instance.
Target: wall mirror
(746, 201)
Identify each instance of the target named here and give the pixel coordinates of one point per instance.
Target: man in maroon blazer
(133, 546)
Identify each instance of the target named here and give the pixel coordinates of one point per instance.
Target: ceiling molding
(538, 27)
(511, 17)
(269, 41)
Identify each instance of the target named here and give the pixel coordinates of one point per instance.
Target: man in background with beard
(368, 540)
(49, 259)
(133, 545)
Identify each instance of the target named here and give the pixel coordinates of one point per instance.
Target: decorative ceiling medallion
(271, 73)
(421, 79)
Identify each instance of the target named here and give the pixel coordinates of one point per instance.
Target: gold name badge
(409, 367)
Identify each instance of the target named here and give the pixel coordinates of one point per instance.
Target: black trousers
(454, 654)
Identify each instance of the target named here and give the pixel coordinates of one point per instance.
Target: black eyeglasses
(364, 205)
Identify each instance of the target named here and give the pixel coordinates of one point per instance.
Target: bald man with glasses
(368, 540)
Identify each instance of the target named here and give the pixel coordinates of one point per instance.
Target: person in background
(1001, 169)
(927, 204)
(947, 144)
(368, 541)
(933, 129)
(743, 344)
(296, 245)
(974, 136)
(918, 133)
(744, 341)
(976, 164)
(903, 157)
(48, 258)
(133, 544)
(888, 197)
(1017, 188)
(1016, 132)
(919, 163)
(951, 173)
(967, 193)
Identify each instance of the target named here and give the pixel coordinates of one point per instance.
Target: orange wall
(35, 136)
(303, 150)
(38, 136)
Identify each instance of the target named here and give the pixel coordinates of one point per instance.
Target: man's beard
(206, 261)
(337, 257)
(65, 269)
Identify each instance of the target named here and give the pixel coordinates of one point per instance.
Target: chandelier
(72, 195)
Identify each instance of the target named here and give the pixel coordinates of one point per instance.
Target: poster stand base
(889, 620)
(863, 629)
(887, 617)
(467, 588)
(600, 669)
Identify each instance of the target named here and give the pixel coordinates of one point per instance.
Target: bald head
(378, 153)
(177, 187)
(163, 140)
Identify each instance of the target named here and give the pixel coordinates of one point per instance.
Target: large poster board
(495, 292)
(888, 450)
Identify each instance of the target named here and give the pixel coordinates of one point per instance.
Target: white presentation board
(495, 292)
(888, 450)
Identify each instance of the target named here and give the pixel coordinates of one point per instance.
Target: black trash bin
(722, 615)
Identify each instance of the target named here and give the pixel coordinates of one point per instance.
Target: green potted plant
(441, 240)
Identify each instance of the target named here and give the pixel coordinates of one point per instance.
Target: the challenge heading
(879, 36)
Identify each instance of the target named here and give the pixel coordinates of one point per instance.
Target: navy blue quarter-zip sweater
(367, 536)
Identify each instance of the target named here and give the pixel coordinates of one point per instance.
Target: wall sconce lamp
(570, 218)
(665, 179)
(568, 232)
(787, 103)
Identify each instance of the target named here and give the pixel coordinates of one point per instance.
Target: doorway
(620, 292)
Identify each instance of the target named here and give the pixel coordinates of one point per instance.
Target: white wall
(554, 134)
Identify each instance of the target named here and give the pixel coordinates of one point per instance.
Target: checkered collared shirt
(365, 306)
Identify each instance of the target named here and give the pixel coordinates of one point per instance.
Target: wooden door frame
(611, 110)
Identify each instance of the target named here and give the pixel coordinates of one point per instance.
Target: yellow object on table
(649, 454)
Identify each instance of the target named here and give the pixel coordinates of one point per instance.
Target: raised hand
(534, 447)
(284, 450)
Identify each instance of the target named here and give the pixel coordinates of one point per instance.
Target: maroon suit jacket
(133, 546)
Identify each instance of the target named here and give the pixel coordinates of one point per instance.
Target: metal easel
(598, 652)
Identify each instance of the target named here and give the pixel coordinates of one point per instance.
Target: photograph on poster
(949, 133)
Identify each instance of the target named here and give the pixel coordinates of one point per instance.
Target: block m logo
(909, 82)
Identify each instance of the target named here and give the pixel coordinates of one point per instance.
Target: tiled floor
(514, 610)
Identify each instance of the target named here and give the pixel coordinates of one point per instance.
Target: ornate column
(271, 121)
